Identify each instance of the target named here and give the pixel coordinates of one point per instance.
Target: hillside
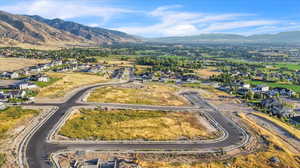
(37, 32)
(98, 35)
(283, 38)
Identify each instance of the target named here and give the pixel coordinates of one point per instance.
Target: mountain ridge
(282, 37)
(35, 31)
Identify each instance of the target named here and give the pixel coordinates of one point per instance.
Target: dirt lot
(134, 125)
(12, 64)
(148, 93)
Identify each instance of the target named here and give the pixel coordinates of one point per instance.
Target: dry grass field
(12, 116)
(134, 125)
(206, 73)
(287, 127)
(150, 94)
(11, 64)
(276, 148)
(68, 82)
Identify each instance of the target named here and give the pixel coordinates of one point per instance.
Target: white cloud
(64, 9)
(173, 22)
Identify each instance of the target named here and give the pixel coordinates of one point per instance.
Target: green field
(289, 66)
(293, 87)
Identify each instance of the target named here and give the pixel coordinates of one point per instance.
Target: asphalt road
(38, 150)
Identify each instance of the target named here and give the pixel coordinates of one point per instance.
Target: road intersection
(36, 149)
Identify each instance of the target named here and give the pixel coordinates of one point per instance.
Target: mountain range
(292, 37)
(36, 32)
(24, 30)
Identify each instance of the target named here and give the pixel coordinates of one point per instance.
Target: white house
(43, 79)
(2, 106)
(261, 88)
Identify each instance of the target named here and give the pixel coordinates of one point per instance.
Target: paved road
(38, 150)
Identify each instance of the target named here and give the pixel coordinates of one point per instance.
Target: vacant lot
(208, 72)
(12, 116)
(134, 125)
(276, 147)
(11, 64)
(67, 82)
(150, 93)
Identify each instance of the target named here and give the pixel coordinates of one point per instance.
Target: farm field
(67, 82)
(12, 64)
(134, 125)
(150, 94)
(289, 66)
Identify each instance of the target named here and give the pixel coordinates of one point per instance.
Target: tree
(249, 95)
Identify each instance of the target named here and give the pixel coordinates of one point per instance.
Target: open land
(12, 121)
(134, 125)
(66, 83)
(12, 64)
(150, 94)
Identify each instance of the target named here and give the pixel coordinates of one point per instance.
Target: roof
(7, 83)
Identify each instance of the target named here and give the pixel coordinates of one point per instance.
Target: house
(275, 107)
(43, 79)
(13, 75)
(243, 91)
(8, 84)
(245, 85)
(284, 91)
(261, 88)
(23, 85)
(15, 94)
(35, 69)
(10, 75)
(2, 106)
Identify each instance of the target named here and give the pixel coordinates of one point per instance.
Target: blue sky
(157, 18)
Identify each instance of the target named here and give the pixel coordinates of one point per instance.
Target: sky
(162, 18)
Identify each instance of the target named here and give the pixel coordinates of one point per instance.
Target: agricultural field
(149, 93)
(134, 125)
(66, 82)
(12, 64)
(289, 66)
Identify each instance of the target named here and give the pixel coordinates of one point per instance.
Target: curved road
(38, 149)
